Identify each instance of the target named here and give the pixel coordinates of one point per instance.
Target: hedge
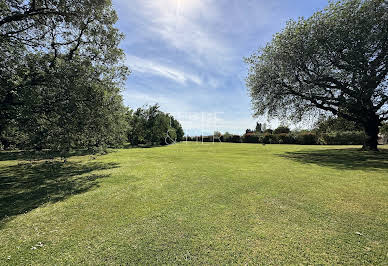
(306, 138)
(342, 138)
(283, 138)
(303, 138)
(250, 138)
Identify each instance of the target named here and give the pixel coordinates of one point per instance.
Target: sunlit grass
(197, 203)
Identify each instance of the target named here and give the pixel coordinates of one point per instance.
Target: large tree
(61, 73)
(336, 61)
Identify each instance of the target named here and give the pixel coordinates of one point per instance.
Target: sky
(187, 56)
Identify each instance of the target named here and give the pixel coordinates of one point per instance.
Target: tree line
(326, 131)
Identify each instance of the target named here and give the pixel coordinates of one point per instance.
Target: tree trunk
(371, 128)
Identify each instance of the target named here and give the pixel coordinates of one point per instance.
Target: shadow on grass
(344, 159)
(142, 146)
(26, 186)
(37, 155)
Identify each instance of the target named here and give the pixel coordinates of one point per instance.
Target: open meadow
(197, 203)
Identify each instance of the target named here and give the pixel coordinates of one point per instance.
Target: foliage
(259, 127)
(151, 126)
(342, 138)
(306, 138)
(283, 138)
(266, 138)
(61, 77)
(384, 129)
(338, 131)
(281, 129)
(250, 138)
(236, 139)
(335, 61)
(226, 137)
(331, 124)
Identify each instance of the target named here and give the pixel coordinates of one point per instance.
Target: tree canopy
(335, 61)
(61, 74)
(150, 126)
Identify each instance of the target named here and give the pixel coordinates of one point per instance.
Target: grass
(197, 203)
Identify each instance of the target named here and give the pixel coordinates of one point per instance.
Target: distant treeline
(328, 131)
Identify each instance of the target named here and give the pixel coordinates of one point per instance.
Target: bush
(342, 138)
(306, 138)
(266, 138)
(236, 139)
(283, 138)
(250, 138)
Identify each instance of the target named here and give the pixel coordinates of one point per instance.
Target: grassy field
(197, 203)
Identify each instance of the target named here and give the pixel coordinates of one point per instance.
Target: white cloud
(184, 25)
(137, 64)
(135, 99)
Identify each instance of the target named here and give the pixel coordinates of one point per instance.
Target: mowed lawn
(197, 203)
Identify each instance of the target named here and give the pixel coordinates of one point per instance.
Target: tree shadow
(26, 186)
(344, 159)
(38, 155)
(142, 146)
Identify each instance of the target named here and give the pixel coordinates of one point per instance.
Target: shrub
(236, 139)
(283, 138)
(266, 138)
(342, 138)
(306, 138)
(250, 138)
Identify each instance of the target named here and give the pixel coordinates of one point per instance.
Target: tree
(258, 128)
(78, 106)
(335, 62)
(178, 128)
(149, 125)
(62, 73)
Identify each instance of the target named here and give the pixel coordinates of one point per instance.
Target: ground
(197, 203)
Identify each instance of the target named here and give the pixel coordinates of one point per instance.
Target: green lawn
(197, 203)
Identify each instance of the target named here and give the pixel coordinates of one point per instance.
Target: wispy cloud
(184, 26)
(137, 64)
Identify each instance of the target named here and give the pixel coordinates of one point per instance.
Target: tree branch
(28, 14)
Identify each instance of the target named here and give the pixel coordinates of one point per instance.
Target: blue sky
(187, 55)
